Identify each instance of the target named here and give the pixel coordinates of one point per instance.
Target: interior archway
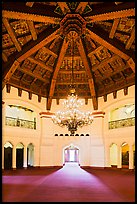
(30, 155)
(71, 154)
(8, 155)
(19, 156)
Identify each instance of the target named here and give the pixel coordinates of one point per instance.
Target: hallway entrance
(71, 154)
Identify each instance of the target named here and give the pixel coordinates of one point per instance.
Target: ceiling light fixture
(71, 117)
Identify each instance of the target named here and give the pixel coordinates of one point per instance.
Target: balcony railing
(122, 123)
(16, 122)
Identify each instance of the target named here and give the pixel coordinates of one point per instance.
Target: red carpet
(68, 184)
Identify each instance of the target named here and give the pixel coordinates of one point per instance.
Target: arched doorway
(8, 155)
(113, 155)
(19, 155)
(125, 155)
(30, 155)
(71, 154)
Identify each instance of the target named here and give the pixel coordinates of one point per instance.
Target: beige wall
(94, 150)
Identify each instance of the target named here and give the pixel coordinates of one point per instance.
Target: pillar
(14, 157)
(119, 157)
(25, 157)
(131, 164)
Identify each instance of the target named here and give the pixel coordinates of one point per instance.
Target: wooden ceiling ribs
(26, 71)
(131, 39)
(11, 34)
(112, 44)
(40, 63)
(39, 45)
(89, 74)
(104, 60)
(54, 78)
(32, 29)
(114, 28)
(111, 15)
(29, 17)
(8, 72)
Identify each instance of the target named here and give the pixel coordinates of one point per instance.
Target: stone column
(131, 165)
(25, 157)
(14, 157)
(97, 157)
(107, 156)
(119, 156)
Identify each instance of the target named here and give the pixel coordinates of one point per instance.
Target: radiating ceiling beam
(55, 74)
(29, 17)
(11, 34)
(110, 15)
(25, 53)
(41, 44)
(113, 45)
(10, 72)
(89, 74)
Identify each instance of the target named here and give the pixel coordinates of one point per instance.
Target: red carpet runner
(68, 184)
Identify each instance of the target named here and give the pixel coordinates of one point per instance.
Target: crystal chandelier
(72, 117)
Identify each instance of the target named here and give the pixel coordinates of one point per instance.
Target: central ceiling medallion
(73, 22)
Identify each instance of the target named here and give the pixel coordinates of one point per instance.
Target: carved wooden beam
(26, 71)
(11, 34)
(131, 39)
(54, 78)
(89, 74)
(110, 15)
(131, 64)
(10, 72)
(4, 57)
(29, 49)
(30, 17)
(40, 63)
(39, 45)
(114, 27)
(32, 29)
(81, 7)
(112, 44)
(64, 7)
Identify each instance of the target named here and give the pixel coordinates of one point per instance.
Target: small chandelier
(71, 117)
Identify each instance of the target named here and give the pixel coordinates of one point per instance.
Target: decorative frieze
(122, 123)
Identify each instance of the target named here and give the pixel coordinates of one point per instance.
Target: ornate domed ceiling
(36, 48)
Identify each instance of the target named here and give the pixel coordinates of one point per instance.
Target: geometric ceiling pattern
(37, 48)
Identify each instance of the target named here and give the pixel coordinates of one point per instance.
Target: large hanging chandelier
(72, 117)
